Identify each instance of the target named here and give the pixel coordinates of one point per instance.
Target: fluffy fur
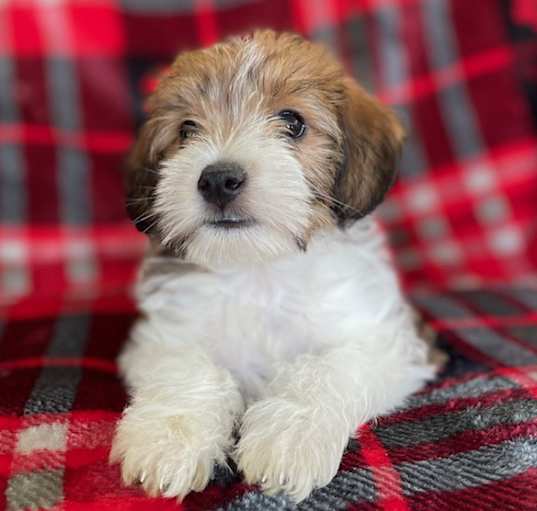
(290, 330)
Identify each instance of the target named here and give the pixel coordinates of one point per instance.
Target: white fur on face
(276, 196)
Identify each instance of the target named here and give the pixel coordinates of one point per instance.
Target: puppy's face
(253, 145)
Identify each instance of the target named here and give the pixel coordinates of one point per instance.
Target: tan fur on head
(338, 171)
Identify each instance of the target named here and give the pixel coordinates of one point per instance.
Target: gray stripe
(326, 33)
(41, 489)
(74, 186)
(12, 166)
(526, 333)
(473, 388)
(394, 73)
(469, 469)
(8, 105)
(326, 36)
(356, 31)
(455, 106)
(440, 306)
(73, 173)
(12, 184)
(459, 471)
(55, 389)
(413, 159)
(393, 60)
(258, 501)
(346, 487)
(173, 6)
(491, 303)
(64, 97)
(15, 280)
(497, 347)
(70, 336)
(527, 296)
(438, 427)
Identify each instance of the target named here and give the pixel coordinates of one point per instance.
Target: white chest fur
(253, 319)
(299, 352)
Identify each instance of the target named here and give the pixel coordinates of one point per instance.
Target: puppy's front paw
(170, 456)
(285, 447)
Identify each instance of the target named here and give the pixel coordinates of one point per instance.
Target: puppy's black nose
(220, 183)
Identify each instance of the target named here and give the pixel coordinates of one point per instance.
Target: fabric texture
(460, 74)
(468, 441)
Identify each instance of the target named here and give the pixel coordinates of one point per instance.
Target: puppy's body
(278, 313)
(313, 344)
(254, 320)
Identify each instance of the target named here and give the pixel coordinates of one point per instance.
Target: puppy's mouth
(231, 222)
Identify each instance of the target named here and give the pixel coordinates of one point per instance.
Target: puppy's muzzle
(221, 183)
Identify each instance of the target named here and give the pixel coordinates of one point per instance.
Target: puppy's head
(253, 145)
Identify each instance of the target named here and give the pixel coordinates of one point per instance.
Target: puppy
(269, 305)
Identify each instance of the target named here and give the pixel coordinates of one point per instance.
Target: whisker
(333, 200)
(149, 227)
(144, 217)
(134, 201)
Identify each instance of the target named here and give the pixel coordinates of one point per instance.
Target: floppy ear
(372, 140)
(142, 170)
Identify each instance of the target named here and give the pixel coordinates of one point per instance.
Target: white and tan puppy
(270, 310)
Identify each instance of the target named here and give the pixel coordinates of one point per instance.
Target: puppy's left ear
(372, 138)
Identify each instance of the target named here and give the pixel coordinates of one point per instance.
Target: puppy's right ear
(142, 170)
(373, 137)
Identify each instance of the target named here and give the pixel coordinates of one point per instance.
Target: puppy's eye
(294, 123)
(188, 129)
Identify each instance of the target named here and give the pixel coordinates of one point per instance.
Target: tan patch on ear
(373, 137)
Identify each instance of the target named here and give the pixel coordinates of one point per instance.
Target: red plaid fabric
(461, 75)
(468, 441)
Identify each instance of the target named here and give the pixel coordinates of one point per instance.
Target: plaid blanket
(468, 441)
(460, 73)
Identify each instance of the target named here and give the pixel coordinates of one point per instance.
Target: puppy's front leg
(293, 441)
(179, 422)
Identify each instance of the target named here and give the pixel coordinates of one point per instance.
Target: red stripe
(37, 460)
(14, 423)
(518, 157)
(518, 493)
(464, 441)
(123, 500)
(97, 141)
(517, 374)
(465, 69)
(522, 376)
(5, 465)
(386, 477)
(456, 405)
(45, 305)
(87, 363)
(474, 309)
(52, 244)
(206, 22)
(95, 29)
(120, 229)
